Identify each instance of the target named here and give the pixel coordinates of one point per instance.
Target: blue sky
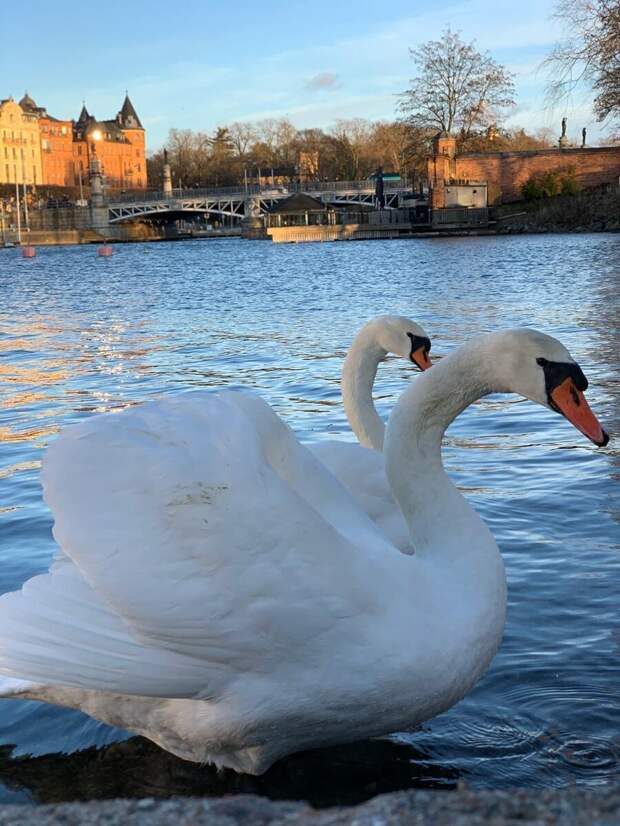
(199, 63)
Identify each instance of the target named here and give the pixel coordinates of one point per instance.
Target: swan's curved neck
(437, 515)
(358, 376)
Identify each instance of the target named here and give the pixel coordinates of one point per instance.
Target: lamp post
(18, 207)
(96, 184)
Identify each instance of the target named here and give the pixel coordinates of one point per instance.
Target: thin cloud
(323, 80)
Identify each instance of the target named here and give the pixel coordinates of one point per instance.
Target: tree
(507, 140)
(242, 137)
(590, 53)
(457, 89)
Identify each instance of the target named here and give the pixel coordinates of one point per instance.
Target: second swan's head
(540, 368)
(400, 335)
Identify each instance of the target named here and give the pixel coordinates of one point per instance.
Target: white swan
(211, 561)
(360, 467)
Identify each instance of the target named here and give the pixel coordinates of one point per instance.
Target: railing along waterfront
(265, 190)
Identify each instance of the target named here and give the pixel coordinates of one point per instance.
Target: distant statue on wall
(583, 137)
(165, 155)
(563, 128)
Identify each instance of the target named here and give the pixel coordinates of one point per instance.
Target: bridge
(238, 202)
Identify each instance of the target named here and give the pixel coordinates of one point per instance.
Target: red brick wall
(56, 151)
(123, 163)
(506, 172)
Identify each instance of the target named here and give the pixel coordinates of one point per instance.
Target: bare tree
(242, 137)
(590, 53)
(354, 137)
(457, 88)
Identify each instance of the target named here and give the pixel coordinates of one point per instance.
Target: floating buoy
(28, 252)
(105, 251)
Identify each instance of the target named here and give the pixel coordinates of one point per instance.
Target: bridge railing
(265, 190)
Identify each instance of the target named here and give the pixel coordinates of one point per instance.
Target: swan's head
(540, 368)
(403, 337)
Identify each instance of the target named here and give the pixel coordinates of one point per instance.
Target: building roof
(29, 107)
(28, 103)
(110, 129)
(128, 117)
(299, 202)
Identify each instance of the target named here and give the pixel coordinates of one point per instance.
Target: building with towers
(37, 149)
(119, 145)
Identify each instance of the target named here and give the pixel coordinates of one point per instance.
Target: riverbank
(595, 211)
(553, 807)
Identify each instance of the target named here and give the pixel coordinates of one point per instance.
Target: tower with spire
(118, 144)
(128, 117)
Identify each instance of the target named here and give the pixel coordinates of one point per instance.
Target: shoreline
(70, 240)
(553, 807)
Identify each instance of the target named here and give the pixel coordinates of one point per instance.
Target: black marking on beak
(557, 372)
(416, 343)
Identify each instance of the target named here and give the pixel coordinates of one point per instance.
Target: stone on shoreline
(553, 807)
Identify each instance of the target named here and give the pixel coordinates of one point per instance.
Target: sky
(198, 64)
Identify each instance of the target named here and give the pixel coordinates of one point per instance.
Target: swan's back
(201, 540)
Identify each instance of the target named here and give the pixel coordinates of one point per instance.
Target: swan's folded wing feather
(208, 532)
(56, 630)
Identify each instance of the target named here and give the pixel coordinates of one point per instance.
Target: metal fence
(265, 190)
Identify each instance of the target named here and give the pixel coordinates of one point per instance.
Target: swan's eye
(419, 341)
(556, 372)
(420, 346)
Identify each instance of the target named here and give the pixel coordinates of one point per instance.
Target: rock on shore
(556, 807)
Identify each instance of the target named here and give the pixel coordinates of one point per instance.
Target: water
(81, 335)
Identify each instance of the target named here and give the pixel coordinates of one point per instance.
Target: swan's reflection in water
(343, 775)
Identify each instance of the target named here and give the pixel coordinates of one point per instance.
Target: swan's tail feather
(56, 632)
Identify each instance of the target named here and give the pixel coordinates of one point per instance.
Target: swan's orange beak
(571, 403)
(421, 358)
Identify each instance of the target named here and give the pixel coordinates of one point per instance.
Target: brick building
(504, 173)
(119, 145)
(56, 139)
(40, 150)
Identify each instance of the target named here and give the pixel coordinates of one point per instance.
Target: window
(63, 130)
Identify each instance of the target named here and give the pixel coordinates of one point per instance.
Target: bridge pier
(98, 210)
(253, 223)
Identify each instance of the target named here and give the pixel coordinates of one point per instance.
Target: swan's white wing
(361, 471)
(56, 630)
(206, 532)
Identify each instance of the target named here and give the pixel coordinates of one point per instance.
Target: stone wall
(506, 172)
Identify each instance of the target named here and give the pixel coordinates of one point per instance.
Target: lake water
(83, 335)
